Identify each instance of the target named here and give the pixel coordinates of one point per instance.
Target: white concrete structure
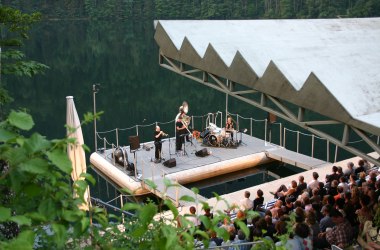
(328, 66)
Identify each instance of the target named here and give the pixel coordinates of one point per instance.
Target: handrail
(267, 137)
(231, 245)
(111, 206)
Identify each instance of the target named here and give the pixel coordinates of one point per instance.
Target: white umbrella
(75, 151)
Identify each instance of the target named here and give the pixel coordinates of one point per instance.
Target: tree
(14, 27)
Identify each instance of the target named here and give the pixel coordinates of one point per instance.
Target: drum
(214, 140)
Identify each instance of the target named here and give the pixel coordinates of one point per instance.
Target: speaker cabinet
(170, 163)
(134, 142)
(202, 153)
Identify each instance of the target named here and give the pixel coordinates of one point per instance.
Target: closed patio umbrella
(75, 151)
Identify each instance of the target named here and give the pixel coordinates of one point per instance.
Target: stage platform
(189, 168)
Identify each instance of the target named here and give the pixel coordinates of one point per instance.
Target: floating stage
(186, 167)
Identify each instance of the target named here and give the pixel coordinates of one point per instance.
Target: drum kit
(218, 137)
(212, 135)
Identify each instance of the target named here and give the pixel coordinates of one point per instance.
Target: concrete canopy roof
(330, 66)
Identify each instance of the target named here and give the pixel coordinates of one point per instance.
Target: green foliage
(14, 27)
(206, 9)
(35, 177)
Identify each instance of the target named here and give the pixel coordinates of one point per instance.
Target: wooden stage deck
(190, 168)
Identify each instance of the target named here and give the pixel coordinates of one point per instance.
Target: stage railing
(275, 133)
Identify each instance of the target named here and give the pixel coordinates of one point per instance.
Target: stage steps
(294, 158)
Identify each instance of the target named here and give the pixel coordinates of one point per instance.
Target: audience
(334, 212)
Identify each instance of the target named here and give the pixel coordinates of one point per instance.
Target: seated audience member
(333, 190)
(300, 215)
(340, 235)
(240, 216)
(315, 182)
(232, 233)
(377, 190)
(307, 204)
(369, 237)
(227, 225)
(327, 182)
(360, 168)
(193, 218)
(288, 205)
(340, 172)
(259, 200)
(315, 198)
(275, 209)
(334, 175)
(371, 180)
(240, 239)
(283, 191)
(350, 210)
(317, 210)
(246, 203)
(214, 240)
(303, 195)
(343, 183)
(207, 214)
(322, 190)
(269, 227)
(349, 170)
(297, 204)
(326, 221)
(301, 186)
(352, 181)
(340, 194)
(311, 221)
(364, 213)
(361, 179)
(301, 239)
(366, 165)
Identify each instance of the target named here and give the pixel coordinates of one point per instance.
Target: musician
(158, 134)
(181, 131)
(230, 127)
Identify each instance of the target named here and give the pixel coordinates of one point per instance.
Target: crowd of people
(341, 210)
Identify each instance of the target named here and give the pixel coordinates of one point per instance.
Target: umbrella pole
(95, 90)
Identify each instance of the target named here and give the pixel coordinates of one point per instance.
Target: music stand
(134, 150)
(184, 143)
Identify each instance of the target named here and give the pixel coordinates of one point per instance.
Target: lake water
(123, 58)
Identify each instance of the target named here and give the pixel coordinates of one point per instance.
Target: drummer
(230, 127)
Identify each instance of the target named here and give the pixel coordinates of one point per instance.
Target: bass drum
(213, 140)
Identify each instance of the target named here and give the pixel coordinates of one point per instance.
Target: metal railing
(259, 128)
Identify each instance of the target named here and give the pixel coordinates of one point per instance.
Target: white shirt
(313, 184)
(194, 219)
(245, 204)
(344, 185)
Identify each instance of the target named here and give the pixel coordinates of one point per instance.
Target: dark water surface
(123, 58)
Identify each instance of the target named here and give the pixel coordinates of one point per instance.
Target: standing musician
(230, 127)
(158, 134)
(181, 130)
